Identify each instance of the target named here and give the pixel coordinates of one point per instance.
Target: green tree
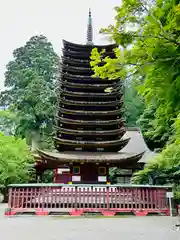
(149, 36)
(30, 82)
(8, 122)
(133, 102)
(152, 136)
(15, 160)
(165, 167)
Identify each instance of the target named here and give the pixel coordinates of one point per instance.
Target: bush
(15, 160)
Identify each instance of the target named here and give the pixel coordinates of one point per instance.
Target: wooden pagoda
(90, 138)
(90, 127)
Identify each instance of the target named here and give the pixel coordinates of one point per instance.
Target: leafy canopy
(165, 167)
(149, 39)
(149, 36)
(30, 81)
(8, 122)
(133, 103)
(15, 159)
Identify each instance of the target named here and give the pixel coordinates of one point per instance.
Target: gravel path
(56, 228)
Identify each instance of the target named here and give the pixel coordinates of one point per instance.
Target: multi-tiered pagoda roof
(89, 120)
(83, 98)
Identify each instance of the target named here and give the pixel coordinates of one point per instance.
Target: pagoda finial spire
(89, 30)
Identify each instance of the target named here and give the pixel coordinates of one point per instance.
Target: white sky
(56, 19)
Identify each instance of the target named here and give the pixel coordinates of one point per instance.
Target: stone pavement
(57, 228)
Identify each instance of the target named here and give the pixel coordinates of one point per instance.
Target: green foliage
(112, 175)
(164, 168)
(149, 37)
(133, 102)
(48, 176)
(156, 138)
(15, 159)
(176, 192)
(30, 80)
(8, 122)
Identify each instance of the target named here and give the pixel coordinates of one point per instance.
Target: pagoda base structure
(93, 167)
(85, 167)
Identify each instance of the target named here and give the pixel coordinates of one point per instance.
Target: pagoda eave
(90, 94)
(119, 132)
(117, 112)
(90, 86)
(84, 55)
(86, 103)
(118, 159)
(95, 144)
(84, 47)
(75, 62)
(85, 78)
(90, 123)
(76, 69)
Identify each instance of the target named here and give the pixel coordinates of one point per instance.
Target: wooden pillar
(107, 174)
(55, 175)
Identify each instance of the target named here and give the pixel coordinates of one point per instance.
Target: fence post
(76, 198)
(108, 199)
(10, 198)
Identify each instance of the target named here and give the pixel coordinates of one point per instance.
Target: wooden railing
(77, 199)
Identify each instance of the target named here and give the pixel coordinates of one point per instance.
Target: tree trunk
(35, 142)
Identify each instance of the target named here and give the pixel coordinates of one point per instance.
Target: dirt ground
(67, 228)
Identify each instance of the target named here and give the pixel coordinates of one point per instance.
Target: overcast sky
(56, 19)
